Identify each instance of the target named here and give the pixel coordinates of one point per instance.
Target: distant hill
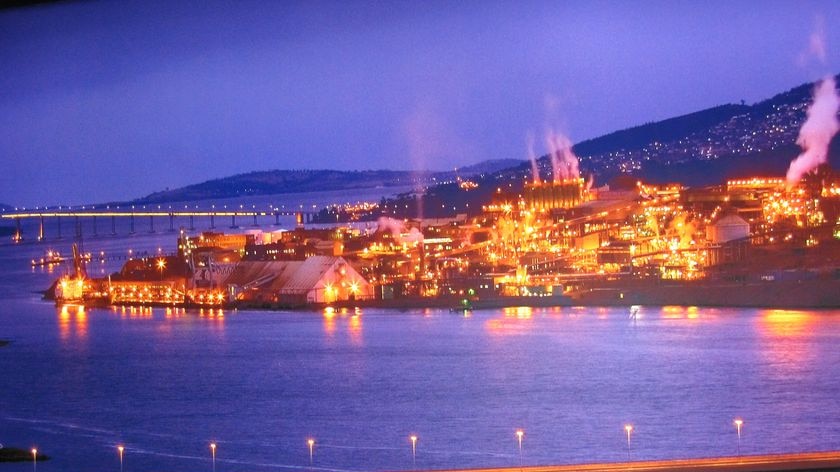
(286, 181)
(489, 166)
(700, 148)
(305, 180)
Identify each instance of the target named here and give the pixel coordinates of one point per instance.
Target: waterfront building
(318, 279)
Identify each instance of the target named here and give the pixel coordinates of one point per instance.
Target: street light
(121, 450)
(413, 438)
(213, 454)
(738, 423)
(519, 434)
(34, 459)
(161, 264)
(311, 443)
(629, 429)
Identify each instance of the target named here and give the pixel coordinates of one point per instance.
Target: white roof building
(318, 279)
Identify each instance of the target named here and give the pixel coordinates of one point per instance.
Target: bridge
(801, 462)
(42, 217)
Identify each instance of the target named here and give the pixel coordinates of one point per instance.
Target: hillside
(286, 181)
(306, 180)
(730, 139)
(700, 148)
(489, 166)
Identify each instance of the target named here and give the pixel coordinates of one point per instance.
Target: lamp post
(213, 454)
(413, 438)
(311, 443)
(121, 450)
(161, 264)
(519, 434)
(34, 459)
(629, 429)
(738, 423)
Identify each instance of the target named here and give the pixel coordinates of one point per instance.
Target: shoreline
(793, 294)
(14, 454)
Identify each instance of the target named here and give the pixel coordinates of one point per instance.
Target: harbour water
(165, 383)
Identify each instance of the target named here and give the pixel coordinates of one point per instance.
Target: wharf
(800, 462)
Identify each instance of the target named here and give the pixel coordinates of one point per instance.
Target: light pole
(34, 459)
(519, 434)
(311, 443)
(738, 423)
(121, 450)
(161, 264)
(213, 454)
(629, 429)
(413, 438)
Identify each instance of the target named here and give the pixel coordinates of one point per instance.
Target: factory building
(561, 194)
(318, 279)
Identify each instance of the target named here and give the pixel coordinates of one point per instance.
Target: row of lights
(310, 442)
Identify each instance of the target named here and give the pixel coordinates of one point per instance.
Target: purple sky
(113, 100)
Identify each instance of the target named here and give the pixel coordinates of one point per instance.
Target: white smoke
(564, 163)
(398, 231)
(815, 135)
(817, 46)
(535, 170)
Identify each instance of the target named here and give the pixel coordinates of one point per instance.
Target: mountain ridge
(280, 181)
(720, 140)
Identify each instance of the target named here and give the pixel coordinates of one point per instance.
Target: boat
(54, 258)
(71, 287)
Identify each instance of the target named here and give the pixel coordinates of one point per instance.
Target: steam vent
(560, 194)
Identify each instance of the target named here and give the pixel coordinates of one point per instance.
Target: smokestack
(815, 135)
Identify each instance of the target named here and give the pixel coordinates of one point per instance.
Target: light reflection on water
(72, 322)
(360, 381)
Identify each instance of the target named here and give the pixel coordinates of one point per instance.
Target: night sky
(113, 100)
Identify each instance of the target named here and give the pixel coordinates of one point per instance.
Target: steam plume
(564, 163)
(397, 230)
(817, 46)
(815, 135)
(535, 170)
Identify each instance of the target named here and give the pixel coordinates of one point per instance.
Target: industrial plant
(556, 242)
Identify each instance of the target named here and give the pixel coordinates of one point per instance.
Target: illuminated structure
(550, 240)
(560, 194)
(318, 279)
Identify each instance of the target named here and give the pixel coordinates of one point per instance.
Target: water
(167, 383)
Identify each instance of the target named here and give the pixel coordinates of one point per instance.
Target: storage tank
(728, 228)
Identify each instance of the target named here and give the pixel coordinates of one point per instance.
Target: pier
(135, 218)
(800, 462)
